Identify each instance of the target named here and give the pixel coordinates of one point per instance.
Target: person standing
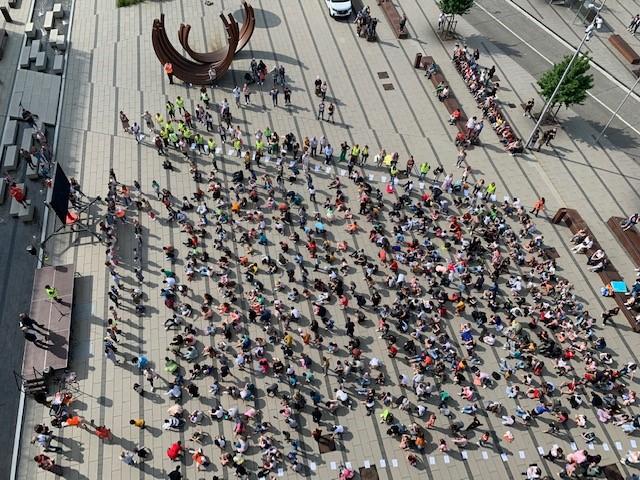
(17, 193)
(528, 107)
(274, 95)
(330, 111)
(236, 95)
(321, 110)
(168, 69)
(247, 94)
(287, 95)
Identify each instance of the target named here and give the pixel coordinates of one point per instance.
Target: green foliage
(455, 7)
(126, 3)
(575, 86)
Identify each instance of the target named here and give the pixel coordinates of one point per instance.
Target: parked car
(339, 8)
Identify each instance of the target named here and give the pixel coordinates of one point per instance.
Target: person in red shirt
(18, 194)
(174, 452)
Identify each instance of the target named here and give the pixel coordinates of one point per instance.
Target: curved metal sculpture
(248, 26)
(197, 72)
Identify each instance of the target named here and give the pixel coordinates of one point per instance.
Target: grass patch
(127, 3)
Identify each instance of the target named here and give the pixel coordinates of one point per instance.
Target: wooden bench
(572, 219)
(394, 18)
(451, 103)
(629, 239)
(625, 49)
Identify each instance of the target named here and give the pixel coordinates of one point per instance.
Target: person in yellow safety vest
(204, 96)
(237, 146)
(187, 134)
(164, 135)
(170, 127)
(424, 170)
(181, 126)
(199, 142)
(365, 155)
(211, 144)
(355, 153)
(159, 120)
(491, 189)
(173, 138)
(260, 146)
(180, 103)
(393, 171)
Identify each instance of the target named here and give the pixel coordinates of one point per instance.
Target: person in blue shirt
(141, 362)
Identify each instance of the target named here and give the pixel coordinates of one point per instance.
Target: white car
(339, 8)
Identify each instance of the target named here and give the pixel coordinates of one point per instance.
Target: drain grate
(382, 75)
(388, 86)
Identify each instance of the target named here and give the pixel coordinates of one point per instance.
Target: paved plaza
(383, 102)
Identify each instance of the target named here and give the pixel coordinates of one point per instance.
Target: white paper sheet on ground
(541, 450)
(633, 444)
(522, 454)
(605, 447)
(280, 472)
(574, 447)
(394, 462)
(465, 455)
(421, 185)
(367, 464)
(218, 150)
(348, 465)
(343, 172)
(447, 459)
(618, 445)
(493, 197)
(312, 466)
(267, 158)
(327, 170)
(230, 151)
(206, 149)
(370, 177)
(485, 455)
(506, 198)
(383, 463)
(590, 445)
(504, 457)
(333, 466)
(316, 168)
(383, 179)
(432, 460)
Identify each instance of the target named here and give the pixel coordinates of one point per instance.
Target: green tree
(575, 86)
(451, 8)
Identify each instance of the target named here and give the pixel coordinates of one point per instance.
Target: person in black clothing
(175, 474)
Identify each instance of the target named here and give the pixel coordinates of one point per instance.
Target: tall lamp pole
(617, 110)
(588, 33)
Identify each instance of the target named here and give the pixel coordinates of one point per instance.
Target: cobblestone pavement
(112, 67)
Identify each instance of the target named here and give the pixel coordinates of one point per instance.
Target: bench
(13, 3)
(61, 42)
(3, 189)
(58, 63)
(451, 103)
(35, 49)
(57, 10)
(30, 30)
(27, 139)
(629, 239)
(4, 38)
(625, 49)
(25, 57)
(32, 172)
(41, 61)
(574, 221)
(394, 18)
(48, 20)
(10, 133)
(11, 159)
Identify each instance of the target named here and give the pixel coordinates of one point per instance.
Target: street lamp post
(617, 110)
(588, 33)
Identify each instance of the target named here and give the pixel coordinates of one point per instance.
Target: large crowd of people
(431, 266)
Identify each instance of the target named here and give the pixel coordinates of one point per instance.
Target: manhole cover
(388, 86)
(382, 75)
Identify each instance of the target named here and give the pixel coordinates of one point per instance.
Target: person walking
(236, 95)
(528, 107)
(538, 206)
(17, 193)
(330, 112)
(247, 94)
(168, 69)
